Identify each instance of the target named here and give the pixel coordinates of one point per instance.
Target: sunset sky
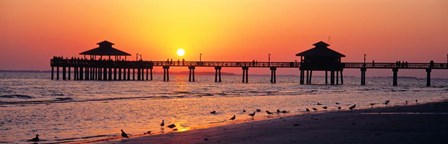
(32, 31)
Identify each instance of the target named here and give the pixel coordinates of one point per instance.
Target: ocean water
(67, 111)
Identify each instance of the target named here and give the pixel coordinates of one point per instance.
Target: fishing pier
(106, 63)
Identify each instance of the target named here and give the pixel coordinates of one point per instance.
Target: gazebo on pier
(321, 58)
(105, 49)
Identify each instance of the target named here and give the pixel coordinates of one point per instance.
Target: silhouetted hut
(320, 58)
(105, 49)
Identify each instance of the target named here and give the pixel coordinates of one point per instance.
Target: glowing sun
(180, 52)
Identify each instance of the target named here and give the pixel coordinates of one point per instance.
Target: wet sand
(425, 123)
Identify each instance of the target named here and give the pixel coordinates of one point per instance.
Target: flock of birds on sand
(173, 126)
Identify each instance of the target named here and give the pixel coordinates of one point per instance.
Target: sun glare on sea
(180, 52)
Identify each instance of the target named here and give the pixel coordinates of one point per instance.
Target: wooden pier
(100, 68)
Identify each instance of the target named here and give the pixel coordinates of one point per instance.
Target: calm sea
(64, 111)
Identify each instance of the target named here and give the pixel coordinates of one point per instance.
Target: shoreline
(421, 123)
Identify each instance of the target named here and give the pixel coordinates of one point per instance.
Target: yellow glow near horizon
(180, 52)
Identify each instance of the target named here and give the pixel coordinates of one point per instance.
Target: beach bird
(171, 126)
(35, 139)
(387, 102)
(416, 101)
(163, 123)
(372, 104)
(284, 111)
(258, 110)
(337, 103)
(213, 112)
(278, 110)
(252, 114)
(325, 107)
(339, 107)
(269, 113)
(307, 110)
(148, 132)
(244, 110)
(406, 102)
(319, 103)
(124, 135)
(315, 109)
(233, 118)
(352, 107)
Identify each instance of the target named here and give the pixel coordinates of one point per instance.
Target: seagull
(269, 113)
(213, 112)
(386, 102)
(35, 139)
(163, 123)
(416, 101)
(252, 114)
(325, 107)
(352, 107)
(372, 104)
(258, 110)
(171, 126)
(244, 110)
(123, 134)
(284, 111)
(307, 110)
(339, 107)
(319, 103)
(233, 118)
(337, 103)
(315, 109)
(406, 102)
(278, 110)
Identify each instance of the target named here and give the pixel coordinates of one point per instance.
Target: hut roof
(105, 48)
(321, 49)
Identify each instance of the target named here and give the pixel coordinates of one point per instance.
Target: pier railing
(395, 65)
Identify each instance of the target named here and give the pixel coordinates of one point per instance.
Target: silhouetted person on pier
(183, 61)
(373, 63)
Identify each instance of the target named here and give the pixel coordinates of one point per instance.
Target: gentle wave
(17, 96)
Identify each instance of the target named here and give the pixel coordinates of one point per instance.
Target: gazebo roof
(321, 49)
(105, 48)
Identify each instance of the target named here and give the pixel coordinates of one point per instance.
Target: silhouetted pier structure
(98, 64)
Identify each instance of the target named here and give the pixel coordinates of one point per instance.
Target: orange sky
(31, 32)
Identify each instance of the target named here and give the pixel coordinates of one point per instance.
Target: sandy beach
(421, 123)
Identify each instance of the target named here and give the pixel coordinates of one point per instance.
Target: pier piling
(191, 73)
(302, 76)
(245, 74)
(273, 74)
(363, 76)
(166, 73)
(428, 77)
(395, 76)
(217, 74)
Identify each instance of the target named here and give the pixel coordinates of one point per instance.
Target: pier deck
(88, 69)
